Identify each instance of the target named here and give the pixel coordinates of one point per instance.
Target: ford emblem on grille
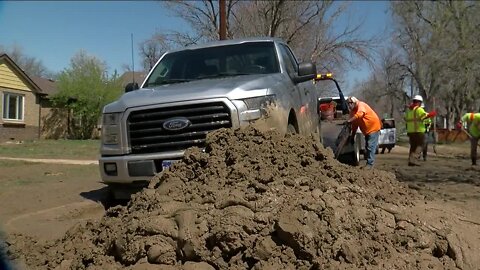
(176, 123)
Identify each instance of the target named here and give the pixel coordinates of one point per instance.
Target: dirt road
(447, 176)
(44, 199)
(451, 185)
(452, 189)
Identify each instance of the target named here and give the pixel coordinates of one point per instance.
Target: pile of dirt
(254, 200)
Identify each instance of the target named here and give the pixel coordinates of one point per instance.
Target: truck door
(306, 102)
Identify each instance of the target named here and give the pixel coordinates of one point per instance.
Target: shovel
(470, 136)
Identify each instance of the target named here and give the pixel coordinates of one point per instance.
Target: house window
(13, 106)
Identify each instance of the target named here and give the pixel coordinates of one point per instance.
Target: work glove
(432, 114)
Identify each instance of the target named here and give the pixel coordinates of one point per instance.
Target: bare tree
(392, 78)
(441, 51)
(305, 25)
(203, 18)
(31, 65)
(152, 49)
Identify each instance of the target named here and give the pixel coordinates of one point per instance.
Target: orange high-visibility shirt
(365, 118)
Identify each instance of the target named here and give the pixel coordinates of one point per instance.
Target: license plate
(166, 164)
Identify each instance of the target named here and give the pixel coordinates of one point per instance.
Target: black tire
(356, 152)
(110, 200)
(353, 158)
(112, 197)
(291, 129)
(319, 133)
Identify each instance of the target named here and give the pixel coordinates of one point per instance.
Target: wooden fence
(451, 136)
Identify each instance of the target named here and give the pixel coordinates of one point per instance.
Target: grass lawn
(23, 173)
(58, 149)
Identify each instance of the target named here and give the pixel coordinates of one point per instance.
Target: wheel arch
(292, 120)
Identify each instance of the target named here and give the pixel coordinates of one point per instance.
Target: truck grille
(148, 135)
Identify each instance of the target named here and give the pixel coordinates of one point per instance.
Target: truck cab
(195, 90)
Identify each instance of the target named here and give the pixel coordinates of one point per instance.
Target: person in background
(415, 116)
(363, 117)
(472, 121)
(458, 125)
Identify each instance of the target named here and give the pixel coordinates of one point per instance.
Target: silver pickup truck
(194, 90)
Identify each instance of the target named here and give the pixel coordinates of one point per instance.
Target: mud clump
(253, 200)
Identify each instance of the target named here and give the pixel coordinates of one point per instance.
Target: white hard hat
(418, 97)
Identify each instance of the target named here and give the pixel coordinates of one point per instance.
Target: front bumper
(134, 168)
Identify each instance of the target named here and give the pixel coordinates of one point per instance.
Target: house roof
(129, 76)
(22, 73)
(48, 86)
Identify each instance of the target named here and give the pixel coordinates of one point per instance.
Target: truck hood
(237, 87)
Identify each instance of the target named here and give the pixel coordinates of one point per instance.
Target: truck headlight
(111, 128)
(111, 119)
(259, 103)
(256, 107)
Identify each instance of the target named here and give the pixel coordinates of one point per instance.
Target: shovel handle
(466, 132)
(470, 136)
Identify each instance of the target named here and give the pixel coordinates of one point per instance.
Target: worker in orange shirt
(363, 117)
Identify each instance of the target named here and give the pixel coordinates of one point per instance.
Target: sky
(54, 31)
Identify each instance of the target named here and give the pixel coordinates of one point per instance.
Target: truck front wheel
(119, 194)
(291, 129)
(319, 133)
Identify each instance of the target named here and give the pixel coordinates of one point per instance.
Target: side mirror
(130, 87)
(306, 71)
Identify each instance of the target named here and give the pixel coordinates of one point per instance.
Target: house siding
(9, 79)
(11, 82)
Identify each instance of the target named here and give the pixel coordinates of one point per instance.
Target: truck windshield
(214, 62)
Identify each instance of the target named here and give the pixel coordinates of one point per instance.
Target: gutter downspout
(39, 116)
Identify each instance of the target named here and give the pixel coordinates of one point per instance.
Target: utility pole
(133, 62)
(223, 20)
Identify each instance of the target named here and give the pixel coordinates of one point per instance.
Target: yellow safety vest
(473, 120)
(428, 124)
(414, 118)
